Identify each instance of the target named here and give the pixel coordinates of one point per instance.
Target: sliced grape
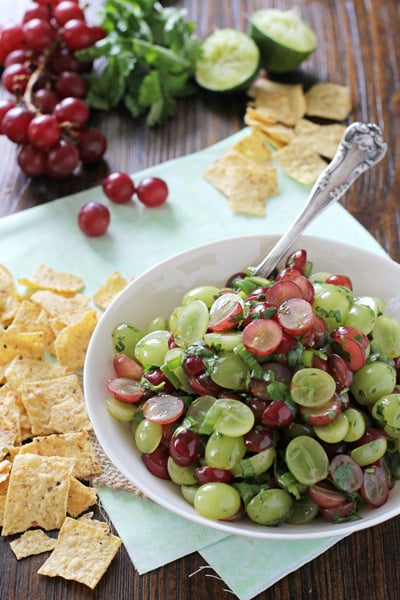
(223, 451)
(125, 366)
(281, 291)
(323, 414)
(223, 341)
(206, 293)
(190, 324)
(375, 487)
(163, 409)
(333, 432)
(226, 312)
(230, 371)
(262, 337)
(312, 387)
(296, 316)
(346, 474)
(232, 417)
(370, 452)
(125, 389)
(306, 460)
(122, 411)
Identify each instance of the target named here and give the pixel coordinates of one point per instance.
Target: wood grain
(359, 47)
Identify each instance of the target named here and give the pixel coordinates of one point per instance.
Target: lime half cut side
(283, 38)
(229, 63)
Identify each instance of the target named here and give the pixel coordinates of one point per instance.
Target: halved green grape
(148, 436)
(386, 335)
(233, 417)
(125, 337)
(372, 381)
(332, 303)
(223, 341)
(230, 372)
(189, 492)
(312, 387)
(270, 507)
(199, 408)
(206, 293)
(224, 451)
(361, 316)
(333, 432)
(303, 511)
(191, 323)
(181, 475)
(156, 324)
(122, 411)
(368, 453)
(357, 425)
(256, 463)
(151, 349)
(306, 460)
(387, 410)
(216, 500)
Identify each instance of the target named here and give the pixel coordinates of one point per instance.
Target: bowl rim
(242, 528)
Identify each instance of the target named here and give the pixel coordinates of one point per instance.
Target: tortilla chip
(71, 343)
(254, 147)
(246, 184)
(300, 163)
(34, 541)
(83, 553)
(55, 405)
(5, 470)
(323, 139)
(55, 304)
(276, 134)
(278, 102)
(16, 343)
(114, 284)
(46, 278)
(328, 100)
(76, 445)
(37, 493)
(7, 286)
(21, 370)
(10, 430)
(80, 498)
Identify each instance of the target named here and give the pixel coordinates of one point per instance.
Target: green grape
(156, 324)
(362, 317)
(181, 475)
(370, 452)
(151, 349)
(387, 410)
(206, 293)
(223, 341)
(199, 408)
(216, 500)
(190, 323)
(386, 336)
(312, 387)
(230, 371)
(256, 463)
(332, 303)
(125, 337)
(173, 370)
(224, 451)
(189, 492)
(319, 276)
(306, 460)
(270, 507)
(333, 432)
(372, 381)
(303, 511)
(147, 436)
(357, 425)
(122, 411)
(232, 417)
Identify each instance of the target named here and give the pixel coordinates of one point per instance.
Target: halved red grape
(226, 312)
(296, 316)
(325, 495)
(346, 474)
(281, 291)
(163, 409)
(125, 389)
(262, 336)
(125, 366)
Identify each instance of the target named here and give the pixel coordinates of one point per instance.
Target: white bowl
(157, 292)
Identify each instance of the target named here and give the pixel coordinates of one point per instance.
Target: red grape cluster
(47, 116)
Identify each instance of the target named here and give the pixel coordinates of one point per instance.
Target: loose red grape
(152, 191)
(118, 187)
(93, 219)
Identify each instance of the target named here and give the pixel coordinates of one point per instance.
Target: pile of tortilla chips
(47, 457)
(280, 133)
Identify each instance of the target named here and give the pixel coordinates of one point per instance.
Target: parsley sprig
(147, 60)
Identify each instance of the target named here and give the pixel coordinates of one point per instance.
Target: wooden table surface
(358, 47)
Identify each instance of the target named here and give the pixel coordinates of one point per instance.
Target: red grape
(70, 83)
(38, 34)
(72, 110)
(93, 219)
(45, 100)
(5, 106)
(43, 131)
(31, 160)
(118, 187)
(77, 34)
(152, 191)
(36, 11)
(62, 160)
(15, 78)
(67, 10)
(92, 145)
(12, 37)
(20, 57)
(15, 124)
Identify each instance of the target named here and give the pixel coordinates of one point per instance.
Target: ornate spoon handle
(361, 147)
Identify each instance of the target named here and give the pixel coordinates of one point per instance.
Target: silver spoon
(361, 147)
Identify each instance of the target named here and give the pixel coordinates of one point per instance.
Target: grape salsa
(273, 399)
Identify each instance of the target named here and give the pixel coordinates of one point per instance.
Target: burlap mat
(110, 476)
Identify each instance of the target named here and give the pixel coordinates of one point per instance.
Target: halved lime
(283, 38)
(229, 63)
